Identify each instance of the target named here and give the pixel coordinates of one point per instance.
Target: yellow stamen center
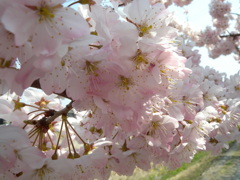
(237, 88)
(144, 30)
(42, 103)
(125, 82)
(91, 67)
(45, 13)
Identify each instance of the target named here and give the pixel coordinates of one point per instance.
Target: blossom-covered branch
(138, 94)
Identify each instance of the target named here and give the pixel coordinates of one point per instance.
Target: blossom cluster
(220, 38)
(134, 90)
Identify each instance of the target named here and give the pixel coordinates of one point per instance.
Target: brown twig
(59, 113)
(230, 35)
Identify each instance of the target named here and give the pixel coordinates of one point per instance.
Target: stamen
(42, 103)
(55, 156)
(91, 67)
(140, 59)
(70, 156)
(76, 155)
(125, 82)
(53, 147)
(37, 116)
(33, 132)
(237, 88)
(35, 140)
(36, 111)
(33, 106)
(76, 133)
(40, 143)
(45, 13)
(144, 30)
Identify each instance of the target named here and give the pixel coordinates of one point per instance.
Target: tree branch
(59, 113)
(230, 35)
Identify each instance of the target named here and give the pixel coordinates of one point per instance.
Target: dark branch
(230, 35)
(64, 111)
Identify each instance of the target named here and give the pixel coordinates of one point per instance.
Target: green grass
(200, 162)
(199, 158)
(188, 171)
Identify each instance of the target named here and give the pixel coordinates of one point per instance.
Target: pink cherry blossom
(43, 19)
(112, 87)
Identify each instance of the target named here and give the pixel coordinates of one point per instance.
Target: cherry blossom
(43, 19)
(110, 86)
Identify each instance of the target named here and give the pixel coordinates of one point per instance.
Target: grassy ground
(188, 171)
(199, 164)
(193, 170)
